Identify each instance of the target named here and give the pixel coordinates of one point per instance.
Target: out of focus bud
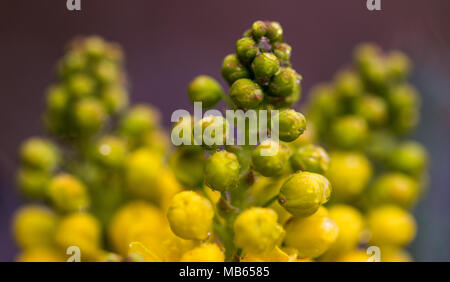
(310, 158)
(90, 115)
(205, 89)
(349, 131)
(348, 84)
(67, 193)
(40, 154)
(373, 109)
(139, 120)
(395, 188)
(409, 157)
(110, 151)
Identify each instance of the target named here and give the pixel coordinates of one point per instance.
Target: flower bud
(205, 89)
(33, 182)
(57, 99)
(284, 83)
(40, 154)
(373, 109)
(274, 32)
(208, 252)
(394, 188)
(264, 66)
(42, 254)
(349, 173)
(257, 230)
(246, 50)
(348, 84)
(190, 216)
(110, 151)
(246, 94)
(304, 192)
(67, 193)
(259, 29)
(107, 72)
(349, 131)
(291, 125)
(409, 157)
(270, 158)
(233, 70)
(310, 158)
(115, 99)
(90, 115)
(81, 85)
(94, 46)
(222, 171)
(391, 225)
(283, 53)
(188, 166)
(398, 66)
(311, 236)
(211, 131)
(139, 120)
(404, 103)
(34, 226)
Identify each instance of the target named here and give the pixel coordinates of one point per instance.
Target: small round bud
(274, 32)
(310, 158)
(33, 182)
(304, 192)
(115, 99)
(246, 94)
(349, 131)
(40, 154)
(110, 151)
(398, 66)
(391, 225)
(139, 120)
(90, 115)
(211, 131)
(222, 171)
(257, 230)
(395, 188)
(81, 85)
(73, 62)
(208, 252)
(270, 158)
(409, 157)
(94, 46)
(205, 89)
(283, 52)
(380, 144)
(259, 29)
(325, 101)
(57, 99)
(373, 109)
(311, 236)
(188, 167)
(404, 102)
(284, 83)
(107, 72)
(233, 70)
(34, 226)
(348, 84)
(291, 125)
(67, 193)
(246, 50)
(349, 173)
(264, 66)
(190, 216)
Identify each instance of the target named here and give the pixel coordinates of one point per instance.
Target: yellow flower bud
(190, 216)
(311, 236)
(204, 253)
(67, 193)
(42, 254)
(274, 255)
(257, 230)
(34, 226)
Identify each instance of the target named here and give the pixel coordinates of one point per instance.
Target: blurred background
(167, 43)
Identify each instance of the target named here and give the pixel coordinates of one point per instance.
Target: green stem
(270, 201)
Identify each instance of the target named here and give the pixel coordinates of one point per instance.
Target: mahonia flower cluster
(364, 117)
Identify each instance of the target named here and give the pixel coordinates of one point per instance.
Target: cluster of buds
(363, 117)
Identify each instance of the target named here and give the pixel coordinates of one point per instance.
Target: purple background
(167, 43)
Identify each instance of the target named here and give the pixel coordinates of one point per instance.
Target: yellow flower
(34, 226)
(354, 256)
(257, 230)
(42, 254)
(204, 253)
(190, 216)
(391, 225)
(311, 235)
(273, 255)
(67, 193)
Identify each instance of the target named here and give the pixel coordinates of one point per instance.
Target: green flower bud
(94, 46)
(139, 120)
(246, 50)
(304, 192)
(310, 158)
(211, 132)
(274, 32)
(107, 72)
(57, 99)
(115, 99)
(40, 154)
(380, 144)
(73, 61)
(372, 108)
(283, 53)
(404, 104)
(233, 70)
(81, 85)
(110, 151)
(246, 94)
(395, 188)
(284, 82)
(67, 193)
(348, 84)
(222, 171)
(409, 157)
(32, 182)
(350, 131)
(371, 65)
(398, 66)
(188, 167)
(205, 89)
(90, 114)
(259, 29)
(291, 125)
(264, 66)
(270, 158)
(325, 101)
